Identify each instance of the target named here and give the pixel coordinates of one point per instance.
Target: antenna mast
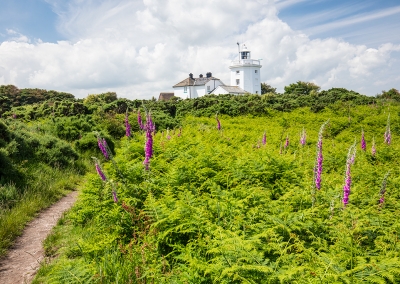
(238, 50)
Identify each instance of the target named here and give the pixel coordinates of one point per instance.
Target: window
(237, 82)
(237, 72)
(185, 89)
(255, 71)
(256, 92)
(208, 88)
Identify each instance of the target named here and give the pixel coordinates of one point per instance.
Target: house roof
(233, 89)
(194, 82)
(165, 96)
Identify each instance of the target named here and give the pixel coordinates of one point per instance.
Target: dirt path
(23, 259)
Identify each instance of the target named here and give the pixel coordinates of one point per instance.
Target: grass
(45, 186)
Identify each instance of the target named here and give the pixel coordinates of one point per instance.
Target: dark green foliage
(267, 89)
(302, 88)
(88, 144)
(392, 94)
(20, 97)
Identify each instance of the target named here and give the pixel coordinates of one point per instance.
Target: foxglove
(218, 122)
(148, 149)
(264, 139)
(286, 142)
(100, 172)
(373, 148)
(388, 135)
(303, 137)
(351, 155)
(319, 157)
(139, 118)
(363, 143)
(114, 193)
(103, 146)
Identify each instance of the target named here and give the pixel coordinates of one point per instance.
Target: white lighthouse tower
(245, 72)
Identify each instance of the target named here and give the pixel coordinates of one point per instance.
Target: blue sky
(33, 18)
(142, 47)
(369, 22)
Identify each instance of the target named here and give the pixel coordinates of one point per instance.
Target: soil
(23, 259)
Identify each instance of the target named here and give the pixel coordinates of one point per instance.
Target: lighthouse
(245, 72)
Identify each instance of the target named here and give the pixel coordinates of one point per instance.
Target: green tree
(266, 88)
(391, 94)
(302, 88)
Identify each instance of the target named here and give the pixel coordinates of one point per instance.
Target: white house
(245, 78)
(245, 74)
(196, 87)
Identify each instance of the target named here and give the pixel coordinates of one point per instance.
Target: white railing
(246, 62)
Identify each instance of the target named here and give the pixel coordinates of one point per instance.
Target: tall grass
(44, 186)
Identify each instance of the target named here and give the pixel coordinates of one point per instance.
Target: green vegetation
(220, 207)
(215, 206)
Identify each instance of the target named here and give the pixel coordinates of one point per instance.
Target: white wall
(249, 79)
(220, 91)
(196, 91)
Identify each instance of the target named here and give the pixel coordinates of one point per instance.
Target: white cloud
(140, 48)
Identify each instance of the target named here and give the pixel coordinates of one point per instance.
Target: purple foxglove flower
(351, 155)
(264, 139)
(139, 118)
(319, 157)
(388, 135)
(14, 116)
(127, 126)
(373, 148)
(363, 143)
(180, 132)
(218, 122)
(100, 172)
(114, 193)
(168, 136)
(303, 137)
(148, 149)
(286, 142)
(103, 146)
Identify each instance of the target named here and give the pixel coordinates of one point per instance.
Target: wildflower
(102, 146)
(168, 136)
(286, 142)
(139, 118)
(303, 137)
(114, 193)
(319, 158)
(388, 135)
(264, 139)
(218, 122)
(373, 148)
(150, 127)
(127, 125)
(351, 155)
(383, 188)
(100, 172)
(363, 144)
(14, 116)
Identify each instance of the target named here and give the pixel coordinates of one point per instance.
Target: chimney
(201, 76)
(190, 75)
(208, 74)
